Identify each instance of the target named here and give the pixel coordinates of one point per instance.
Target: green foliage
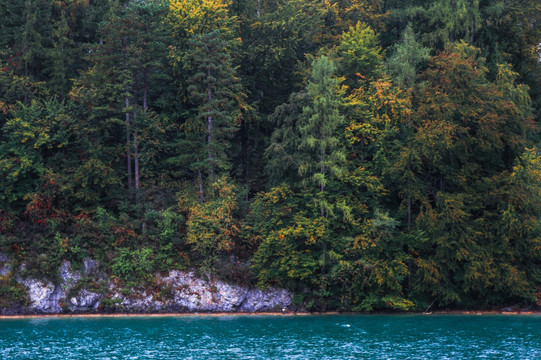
(519, 228)
(360, 55)
(443, 21)
(168, 224)
(466, 150)
(133, 266)
(408, 57)
(318, 128)
(283, 158)
(211, 227)
(275, 49)
(216, 92)
(350, 12)
(373, 271)
(366, 154)
(288, 253)
(11, 292)
(294, 251)
(192, 18)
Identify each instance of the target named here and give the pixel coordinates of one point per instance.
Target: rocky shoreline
(88, 291)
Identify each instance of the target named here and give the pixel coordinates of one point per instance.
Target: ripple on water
(259, 337)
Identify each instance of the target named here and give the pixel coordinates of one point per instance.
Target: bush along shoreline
(88, 290)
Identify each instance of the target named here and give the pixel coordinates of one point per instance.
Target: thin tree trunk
(322, 211)
(135, 135)
(128, 142)
(200, 183)
(244, 150)
(145, 106)
(136, 150)
(322, 186)
(26, 75)
(209, 129)
(145, 90)
(452, 33)
(324, 263)
(128, 125)
(247, 161)
(62, 66)
(409, 213)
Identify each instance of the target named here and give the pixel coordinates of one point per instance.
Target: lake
(274, 337)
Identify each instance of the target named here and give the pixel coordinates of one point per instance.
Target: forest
(364, 154)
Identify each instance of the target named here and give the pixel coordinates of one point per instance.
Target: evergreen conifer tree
(319, 128)
(216, 92)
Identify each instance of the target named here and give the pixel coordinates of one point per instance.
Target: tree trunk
(322, 211)
(452, 32)
(26, 75)
(136, 150)
(409, 213)
(471, 33)
(209, 129)
(145, 90)
(322, 186)
(200, 183)
(62, 66)
(135, 137)
(128, 142)
(128, 125)
(244, 128)
(145, 105)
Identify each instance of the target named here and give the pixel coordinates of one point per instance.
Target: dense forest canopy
(365, 154)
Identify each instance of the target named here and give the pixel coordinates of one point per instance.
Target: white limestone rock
(178, 291)
(193, 294)
(5, 266)
(44, 296)
(68, 277)
(90, 266)
(85, 300)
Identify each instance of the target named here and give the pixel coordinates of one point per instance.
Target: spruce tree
(408, 57)
(321, 121)
(216, 92)
(319, 128)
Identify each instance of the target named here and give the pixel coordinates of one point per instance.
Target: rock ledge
(176, 291)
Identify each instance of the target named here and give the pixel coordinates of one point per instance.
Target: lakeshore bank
(88, 292)
(268, 313)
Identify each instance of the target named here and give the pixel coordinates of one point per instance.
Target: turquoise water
(274, 337)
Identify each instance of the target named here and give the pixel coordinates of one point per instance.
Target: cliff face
(87, 290)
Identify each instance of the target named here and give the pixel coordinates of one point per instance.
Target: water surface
(274, 337)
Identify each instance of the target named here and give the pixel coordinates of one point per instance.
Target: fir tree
(216, 92)
(319, 128)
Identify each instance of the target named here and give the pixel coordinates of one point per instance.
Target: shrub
(11, 292)
(133, 265)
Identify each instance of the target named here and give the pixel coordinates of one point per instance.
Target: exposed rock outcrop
(44, 296)
(184, 292)
(5, 266)
(177, 291)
